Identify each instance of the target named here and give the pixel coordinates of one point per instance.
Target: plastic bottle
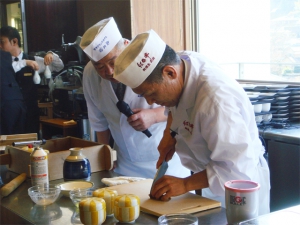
(39, 167)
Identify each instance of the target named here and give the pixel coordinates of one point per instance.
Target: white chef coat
(56, 65)
(136, 153)
(217, 131)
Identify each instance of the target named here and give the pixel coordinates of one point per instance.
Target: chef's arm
(160, 114)
(103, 137)
(166, 146)
(142, 119)
(196, 181)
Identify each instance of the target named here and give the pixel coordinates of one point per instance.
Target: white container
(39, 167)
(178, 218)
(267, 117)
(109, 197)
(258, 119)
(36, 77)
(92, 211)
(127, 208)
(257, 108)
(266, 107)
(242, 200)
(47, 72)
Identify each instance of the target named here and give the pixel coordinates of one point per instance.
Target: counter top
(17, 208)
(289, 134)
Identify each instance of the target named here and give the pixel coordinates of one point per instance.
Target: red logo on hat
(144, 61)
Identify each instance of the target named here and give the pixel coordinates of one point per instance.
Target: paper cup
(241, 199)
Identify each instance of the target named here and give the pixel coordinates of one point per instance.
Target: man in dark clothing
(13, 109)
(10, 42)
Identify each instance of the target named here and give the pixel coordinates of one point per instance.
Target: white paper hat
(139, 59)
(100, 39)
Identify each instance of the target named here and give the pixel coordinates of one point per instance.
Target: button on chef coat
(217, 131)
(136, 153)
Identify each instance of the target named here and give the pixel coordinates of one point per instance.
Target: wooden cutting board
(186, 203)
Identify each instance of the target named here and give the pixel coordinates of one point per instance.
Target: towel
(120, 180)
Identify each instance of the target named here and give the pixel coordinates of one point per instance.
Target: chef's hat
(138, 60)
(100, 39)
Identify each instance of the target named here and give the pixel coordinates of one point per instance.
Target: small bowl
(78, 194)
(258, 119)
(266, 107)
(267, 117)
(68, 186)
(257, 108)
(44, 194)
(178, 218)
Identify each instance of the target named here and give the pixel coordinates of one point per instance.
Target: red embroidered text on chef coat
(144, 61)
(188, 126)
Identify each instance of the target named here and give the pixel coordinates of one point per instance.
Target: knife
(163, 167)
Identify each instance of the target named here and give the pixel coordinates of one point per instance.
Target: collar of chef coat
(187, 100)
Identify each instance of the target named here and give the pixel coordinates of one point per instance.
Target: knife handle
(173, 133)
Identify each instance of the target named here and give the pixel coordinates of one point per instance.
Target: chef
(137, 154)
(217, 137)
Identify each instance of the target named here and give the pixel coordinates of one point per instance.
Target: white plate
(282, 98)
(280, 115)
(276, 86)
(66, 187)
(295, 96)
(248, 86)
(279, 119)
(295, 113)
(279, 106)
(267, 94)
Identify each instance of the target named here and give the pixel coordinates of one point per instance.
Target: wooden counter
(57, 126)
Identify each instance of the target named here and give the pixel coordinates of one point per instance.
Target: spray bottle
(38, 163)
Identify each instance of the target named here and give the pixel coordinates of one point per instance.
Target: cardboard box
(101, 157)
(9, 139)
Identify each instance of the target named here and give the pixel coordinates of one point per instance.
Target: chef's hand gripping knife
(162, 168)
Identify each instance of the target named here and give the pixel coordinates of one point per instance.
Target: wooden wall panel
(47, 20)
(166, 17)
(91, 12)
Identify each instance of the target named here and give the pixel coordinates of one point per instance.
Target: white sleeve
(97, 120)
(18, 65)
(234, 150)
(56, 65)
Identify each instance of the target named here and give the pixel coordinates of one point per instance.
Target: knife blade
(163, 167)
(160, 172)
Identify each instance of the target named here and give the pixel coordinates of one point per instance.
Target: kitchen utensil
(127, 208)
(109, 197)
(76, 166)
(66, 187)
(92, 211)
(242, 200)
(185, 203)
(12, 185)
(160, 172)
(78, 194)
(44, 194)
(178, 218)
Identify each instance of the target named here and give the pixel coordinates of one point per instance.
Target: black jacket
(12, 108)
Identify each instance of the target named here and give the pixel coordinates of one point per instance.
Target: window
(251, 39)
